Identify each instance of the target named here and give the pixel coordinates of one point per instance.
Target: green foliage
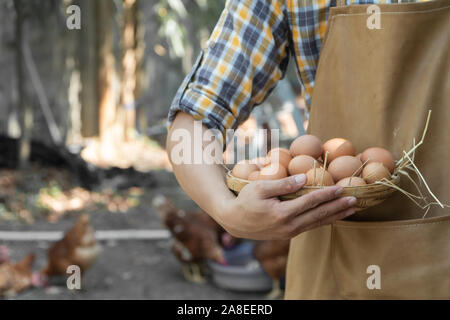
(54, 190)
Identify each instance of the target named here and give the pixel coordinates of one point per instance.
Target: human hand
(257, 213)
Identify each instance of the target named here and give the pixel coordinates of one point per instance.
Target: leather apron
(375, 87)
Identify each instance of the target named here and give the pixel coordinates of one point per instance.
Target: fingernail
(300, 179)
(351, 201)
(339, 191)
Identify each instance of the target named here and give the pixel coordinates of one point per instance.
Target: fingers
(299, 226)
(326, 210)
(309, 201)
(329, 220)
(274, 188)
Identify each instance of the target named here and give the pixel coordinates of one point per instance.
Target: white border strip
(99, 235)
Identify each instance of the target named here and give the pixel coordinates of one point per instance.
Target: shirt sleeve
(246, 55)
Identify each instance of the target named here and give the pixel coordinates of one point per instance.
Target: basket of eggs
(371, 176)
(368, 176)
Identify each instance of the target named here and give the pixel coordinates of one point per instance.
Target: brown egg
(379, 155)
(273, 171)
(306, 145)
(345, 166)
(375, 171)
(301, 164)
(253, 176)
(243, 168)
(280, 155)
(338, 147)
(358, 156)
(314, 177)
(351, 182)
(261, 162)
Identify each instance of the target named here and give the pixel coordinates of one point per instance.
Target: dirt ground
(127, 269)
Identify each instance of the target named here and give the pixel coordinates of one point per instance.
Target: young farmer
(380, 71)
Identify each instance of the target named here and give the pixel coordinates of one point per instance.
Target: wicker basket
(366, 196)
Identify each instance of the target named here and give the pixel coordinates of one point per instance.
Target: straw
(324, 168)
(389, 184)
(399, 163)
(314, 177)
(354, 173)
(423, 180)
(413, 182)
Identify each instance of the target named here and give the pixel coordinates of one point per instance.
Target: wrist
(223, 207)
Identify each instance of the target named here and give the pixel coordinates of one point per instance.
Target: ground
(125, 269)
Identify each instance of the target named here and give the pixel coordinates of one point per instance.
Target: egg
(314, 177)
(345, 166)
(261, 161)
(306, 145)
(379, 155)
(375, 171)
(351, 182)
(280, 155)
(338, 147)
(273, 171)
(301, 164)
(243, 168)
(253, 176)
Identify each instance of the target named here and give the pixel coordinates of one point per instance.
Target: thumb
(274, 188)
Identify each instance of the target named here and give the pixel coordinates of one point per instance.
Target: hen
(272, 255)
(4, 254)
(16, 277)
(195, 235)
(78, 247)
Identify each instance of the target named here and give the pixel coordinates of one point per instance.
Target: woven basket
(366, 196)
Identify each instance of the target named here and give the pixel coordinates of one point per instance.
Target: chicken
(16, 277)
(272, 255)
(78, 247)
(225, 239)
(4, 254)
(195, 237)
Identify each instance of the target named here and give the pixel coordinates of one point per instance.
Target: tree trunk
(88, 66)
(25, 110)
(142, 82)
(105, 78)
(129, 64)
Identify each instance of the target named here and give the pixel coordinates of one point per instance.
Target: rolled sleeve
(246, 55)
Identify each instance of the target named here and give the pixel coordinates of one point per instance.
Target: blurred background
(85, 88)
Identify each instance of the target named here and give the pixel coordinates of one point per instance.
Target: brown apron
(375, 87)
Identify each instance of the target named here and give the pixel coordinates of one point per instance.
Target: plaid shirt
(247, 54)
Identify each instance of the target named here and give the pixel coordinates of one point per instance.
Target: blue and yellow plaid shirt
(248, 53)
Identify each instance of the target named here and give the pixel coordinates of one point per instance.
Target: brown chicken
(195, 237)
(225, 239)
(16, 277)
(272, 255)
(78, 247)
(4, 254)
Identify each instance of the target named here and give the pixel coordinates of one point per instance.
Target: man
(373, 85)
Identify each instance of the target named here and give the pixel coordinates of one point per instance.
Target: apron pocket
(407, 259)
